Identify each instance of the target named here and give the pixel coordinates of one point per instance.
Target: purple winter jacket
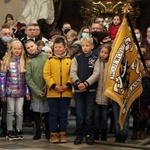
(12, 83)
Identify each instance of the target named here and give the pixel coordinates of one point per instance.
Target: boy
(84, 74)
(56, 74)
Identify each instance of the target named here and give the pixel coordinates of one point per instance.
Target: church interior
(83, 12)
(78, 13)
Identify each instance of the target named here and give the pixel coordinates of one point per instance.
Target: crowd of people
(40, 77)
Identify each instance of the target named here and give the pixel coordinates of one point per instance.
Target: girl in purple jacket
(13, 87)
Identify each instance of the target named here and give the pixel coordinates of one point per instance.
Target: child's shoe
(62, 136)
(78, 140)
(54, 137)
(19, 135)
(89, 140)
(10, 136)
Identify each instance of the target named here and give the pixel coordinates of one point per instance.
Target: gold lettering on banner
(126, 45)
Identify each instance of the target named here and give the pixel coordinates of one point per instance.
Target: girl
(8, 17)
(84, 32)
(13, 87)
(36, 83)
(102, 102)
(138, 35)
(56, 74)
(113, 29)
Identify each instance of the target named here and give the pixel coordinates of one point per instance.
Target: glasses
(30, 29)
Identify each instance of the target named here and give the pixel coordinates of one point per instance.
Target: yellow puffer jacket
(57, 71)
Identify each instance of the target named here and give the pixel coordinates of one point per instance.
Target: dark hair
(40, 42)
(102, 35)
(65, 23)
(29, 25)
(27, 41)
(9, 16)
(117, 15)
(144, 46)
(54, 32)
(97, 18)
(146, 56)
(24, 42)
(59, 40)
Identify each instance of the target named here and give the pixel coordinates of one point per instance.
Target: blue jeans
(58, 113)
(14, 105)
(118, 132)
(84, 113)
(101, 117)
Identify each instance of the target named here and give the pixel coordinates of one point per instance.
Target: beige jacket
(101, 99)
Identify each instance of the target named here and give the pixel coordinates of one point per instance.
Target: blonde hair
(87, 39)
(72, 33)
(8, 58)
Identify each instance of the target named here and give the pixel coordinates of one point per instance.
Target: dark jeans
(84, 113)
(101, 117)
(58, 113)
(118, 132)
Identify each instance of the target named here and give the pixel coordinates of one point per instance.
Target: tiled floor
(29, 144)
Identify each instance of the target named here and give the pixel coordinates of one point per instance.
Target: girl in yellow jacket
(57, 77)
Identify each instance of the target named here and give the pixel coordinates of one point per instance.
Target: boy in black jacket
(84, 74)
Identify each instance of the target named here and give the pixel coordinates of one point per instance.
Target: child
(40, 44)
(13, 87)
(73, 44)
(85, 74)
(113, 29)
(102, 102)
(142, 104)
(36, 83)
(47, 50)
(56, 74)
(143, 49)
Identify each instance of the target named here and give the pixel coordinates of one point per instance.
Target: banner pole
(136, 41)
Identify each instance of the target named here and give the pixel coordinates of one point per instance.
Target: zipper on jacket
(103, 81)
(60, 75)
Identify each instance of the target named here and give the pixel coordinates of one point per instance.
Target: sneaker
(89, 140)
(19, 135)
(10, 135)
(78, 140)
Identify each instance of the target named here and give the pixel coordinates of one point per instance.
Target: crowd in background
(41, 79)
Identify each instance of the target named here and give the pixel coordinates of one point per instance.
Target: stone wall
(13, 7)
